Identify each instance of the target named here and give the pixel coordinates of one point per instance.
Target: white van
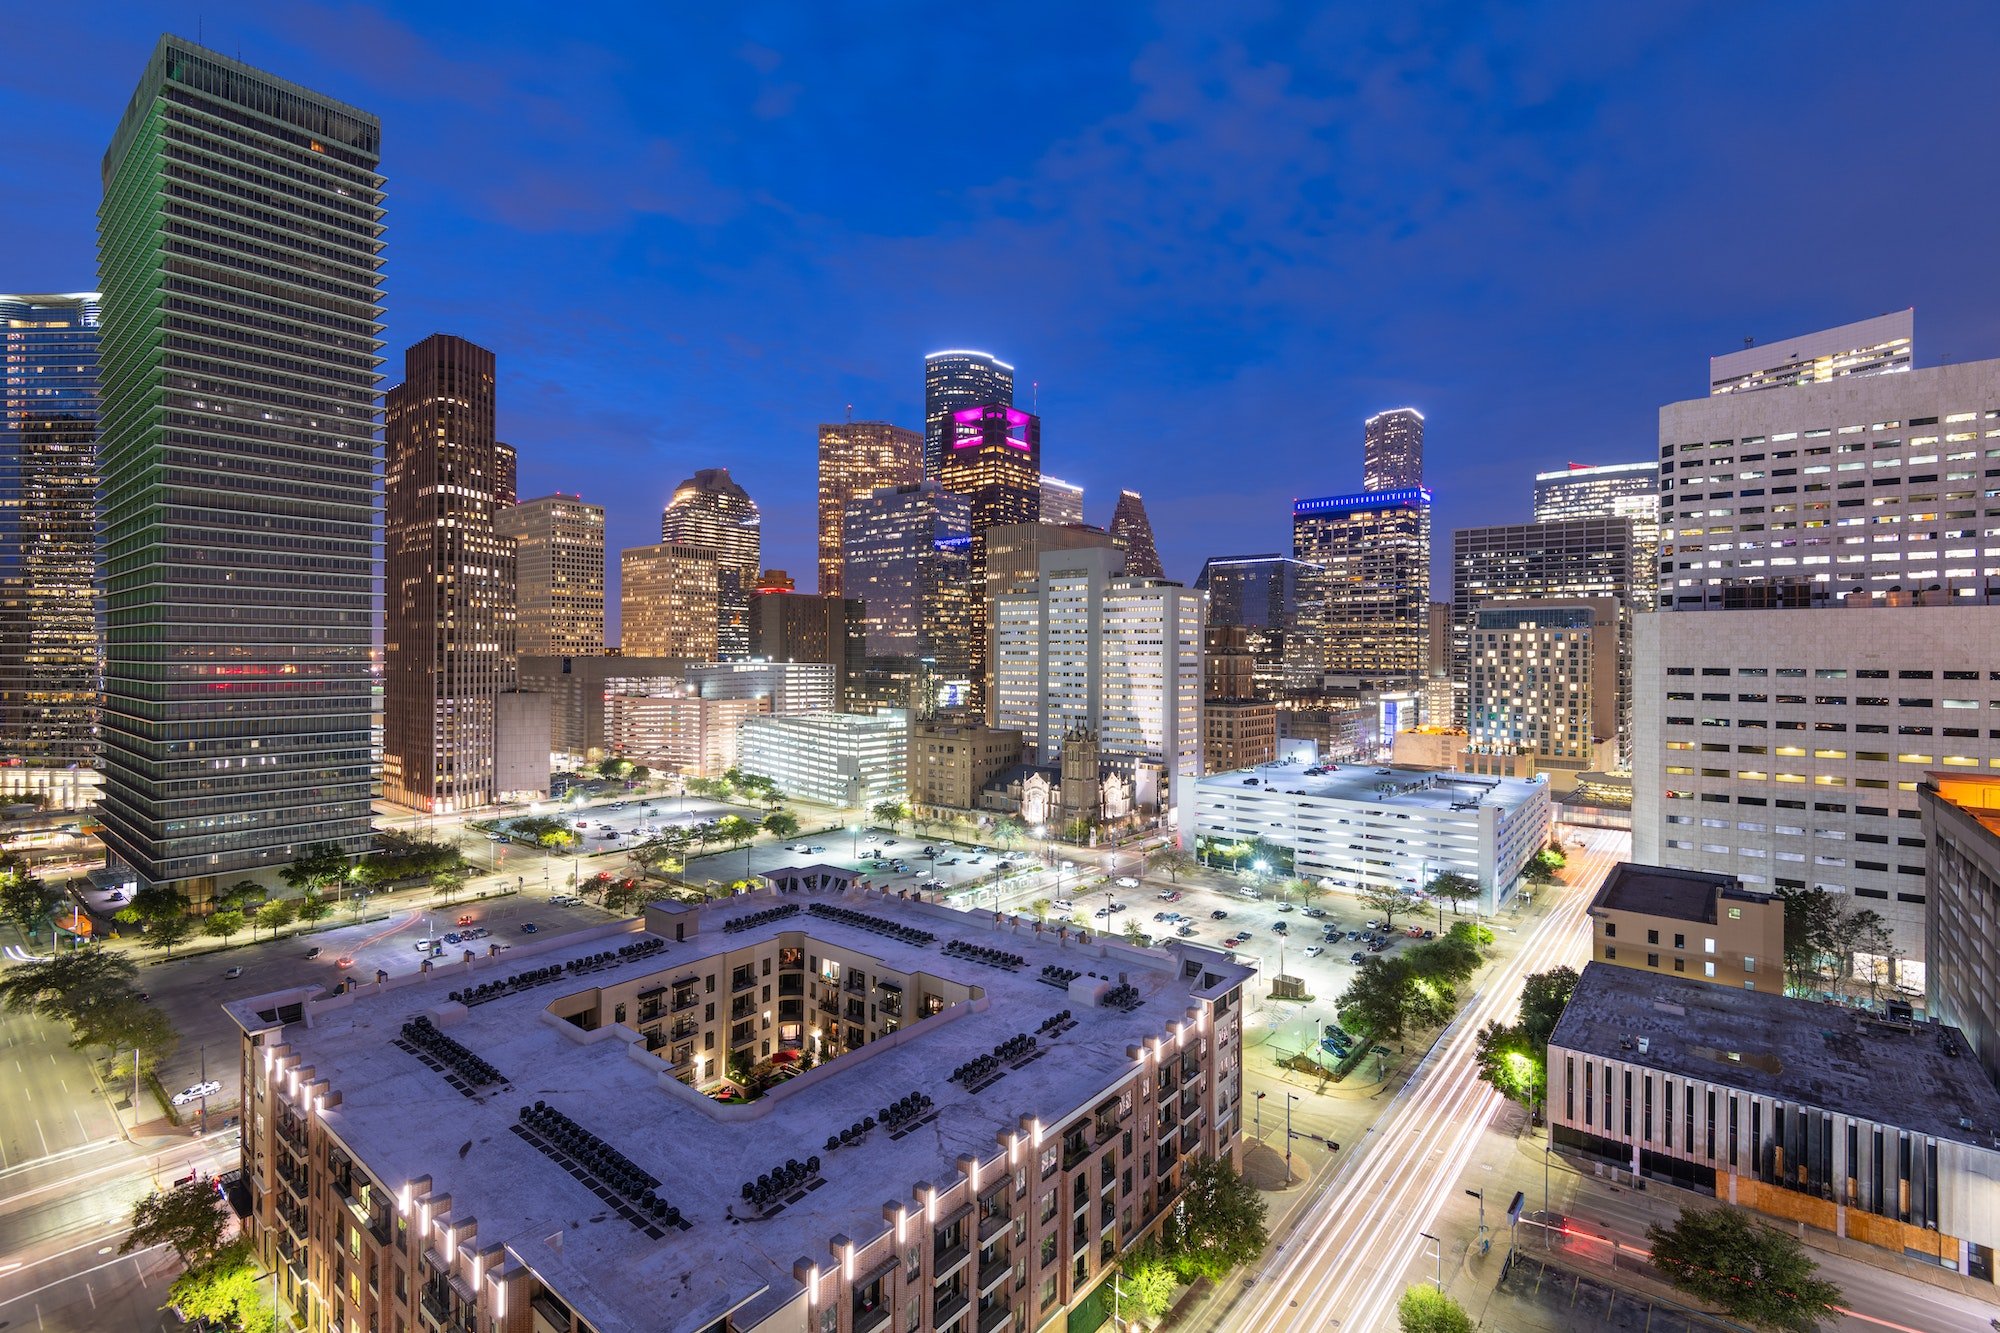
(1249, 891)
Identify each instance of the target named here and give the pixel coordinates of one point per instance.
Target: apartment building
(1962, 907)
(1691, 924)
(539, 1140)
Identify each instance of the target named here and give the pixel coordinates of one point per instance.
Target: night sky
(1216, 235)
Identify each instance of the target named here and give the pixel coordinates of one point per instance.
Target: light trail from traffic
(1346, 1258)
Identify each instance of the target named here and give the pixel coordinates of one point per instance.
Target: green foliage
(735, 830)
(1173, 860)
(1216, 1225)
(1471, 932)
(1822, 938)
(1514, 1057)
(448, 883)
(223, 925)
(242, 896)
(1451, 959)
(224, 1292)
(1077, 830)
(1749, 1271)
(1136, 933)
(1309, 889)
(318, 867)
(781, 824)
(25, 900)
(167, 931)
(1543, 865)
(91, 992)
(1453, 888)
(613, 767)
(313, 907)
(276, 914)
(401, 857)
(1146, 1282)
(892, 813)
(189, 1219)
(1428, 1310)
(1389, 995)
(1007, 830)
(1387, 899)
(1554, 851)
(1041, 907)
(152, 904)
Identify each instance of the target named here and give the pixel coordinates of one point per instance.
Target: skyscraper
(856, 458)
(996, 464)
(506, 475)
(810, 627)
(239, 253)
(1879, 346)
(1611, 490)
(709, 509)
(1375, 595)
(1133, 533)
(448, 578)
(1275, 600)
(954, 381)
(1544, 688)
(48, 493)
(667, 597)
(1089, 647)
(1061, 502)
(909, 561)
(1392, 450)
(1538, 562)
(558, 575)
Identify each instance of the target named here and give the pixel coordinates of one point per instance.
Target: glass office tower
(48, 493)
(954, 381)
(239, 250)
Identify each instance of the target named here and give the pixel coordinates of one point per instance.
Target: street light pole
(1260, 1117)
(1290, 1097)
(1439, 1245)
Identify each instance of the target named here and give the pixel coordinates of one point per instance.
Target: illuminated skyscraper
(909, 562)
(709, 509)
(1061, 502)
(448, 578)
(666, 602)
(996, 464)
(1376, 592)
(48, 492)
(1392, 450)
(558, 575)
(1879, 346)
(506, 475)
(856, 458)
(954, 381)
(1274, 599)
(1611, 490)
(1132, 531)
(239, 252)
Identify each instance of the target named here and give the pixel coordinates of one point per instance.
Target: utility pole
(1439, 1245)
(1260, 1117)
(1290, 1097)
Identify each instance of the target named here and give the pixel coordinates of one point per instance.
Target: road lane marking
(43, 1137)
(108, 1263)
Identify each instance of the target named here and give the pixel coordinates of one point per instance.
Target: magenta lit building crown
(969, 426)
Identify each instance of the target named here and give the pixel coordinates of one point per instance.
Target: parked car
(1286, 907)
(1356, 958)
(1314, 951)
(232, 974)
(1430, 934)
(1102, 911)
(528, 928)
(1279, 928)
(1126, 882)
(1064, 905)
(1217, 915)
(343, 962)
(1118, 907)
(197, 1092)
(1315, 911)
(1173, 896)
(424, 946)
(1184, 930)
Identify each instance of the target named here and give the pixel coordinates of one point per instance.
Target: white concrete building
(1786, 747)
(675, 729)
(1355, 824)
(1882, 345)
(840, 759)
(1116, 654)
(791, 687)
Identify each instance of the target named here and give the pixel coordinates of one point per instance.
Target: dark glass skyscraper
(48, 493)
(448, 640)
(996, 464)
(239, 249)
(1132, 532)
(954, 381)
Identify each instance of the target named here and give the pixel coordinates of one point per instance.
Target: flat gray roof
(1921, 1077)
(403, 1120)
(1684, 895)
(1399, 788)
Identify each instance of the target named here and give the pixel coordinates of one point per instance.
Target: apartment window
(1652, 960)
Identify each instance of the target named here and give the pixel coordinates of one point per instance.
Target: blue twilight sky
(1216, 236)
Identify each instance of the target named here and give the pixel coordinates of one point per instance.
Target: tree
(189, 1219)
(1217, 1224)
(25, 900)
(447, 883)
(1454, 888)
(312, 907)
(781, 824)
(316, 868)
(1146, 1282)
(275, 915)
(1007, 831)
(1428, 1310)
(224, 1292)
(222, 925)
(242, 896)
(1749, 1271)
(1310, 890)
(1389, 995)
(1451, 960)
(1077, 831)
(1812, 917)
(1136, 933)
(1173, 860)
(167, 931)
(1544, 996)
(892, 813)
(614, 767)
(1387, 899)
(1514, 1057)
(639, 775)
(1041, 908)
(62, 987)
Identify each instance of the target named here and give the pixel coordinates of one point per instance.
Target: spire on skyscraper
(1132, 533)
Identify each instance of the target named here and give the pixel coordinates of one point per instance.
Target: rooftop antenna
(1749, 342)
(850, 414)
(1035, 396)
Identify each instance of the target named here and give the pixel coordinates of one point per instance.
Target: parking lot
(891, 861)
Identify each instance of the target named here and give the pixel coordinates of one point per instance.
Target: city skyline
(622, 418)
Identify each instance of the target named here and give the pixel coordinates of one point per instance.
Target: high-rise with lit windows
(954, 381)
(1611, 490)
(448, 578)
(996, 464)
(667, 597)
(558, 575)
(1375, 593)
(710, 510)
(856, 458)
(48, 492)
(239, 253)
(1392, 450)
(908, 560)
(1883, 345)
(1062, 502)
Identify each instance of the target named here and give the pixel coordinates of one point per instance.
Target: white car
(1314, 951)
(197, 1092)
(1127, 882)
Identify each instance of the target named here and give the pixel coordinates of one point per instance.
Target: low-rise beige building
(678, 730)
(952, 761)
(1238, 733)
(964, 1119)
(1689, 923)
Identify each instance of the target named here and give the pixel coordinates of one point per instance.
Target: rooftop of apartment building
(403, 1119)
(1395, 788)
(1683, 895)
(1915, 1076)
(1977, 797)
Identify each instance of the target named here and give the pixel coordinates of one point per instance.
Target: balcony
(436, 1306)
(742, 981)
(992, 1224)
(995, 1318)
(867, 1321)
(684, 1000)
(946, 1309)
(949, 1261)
